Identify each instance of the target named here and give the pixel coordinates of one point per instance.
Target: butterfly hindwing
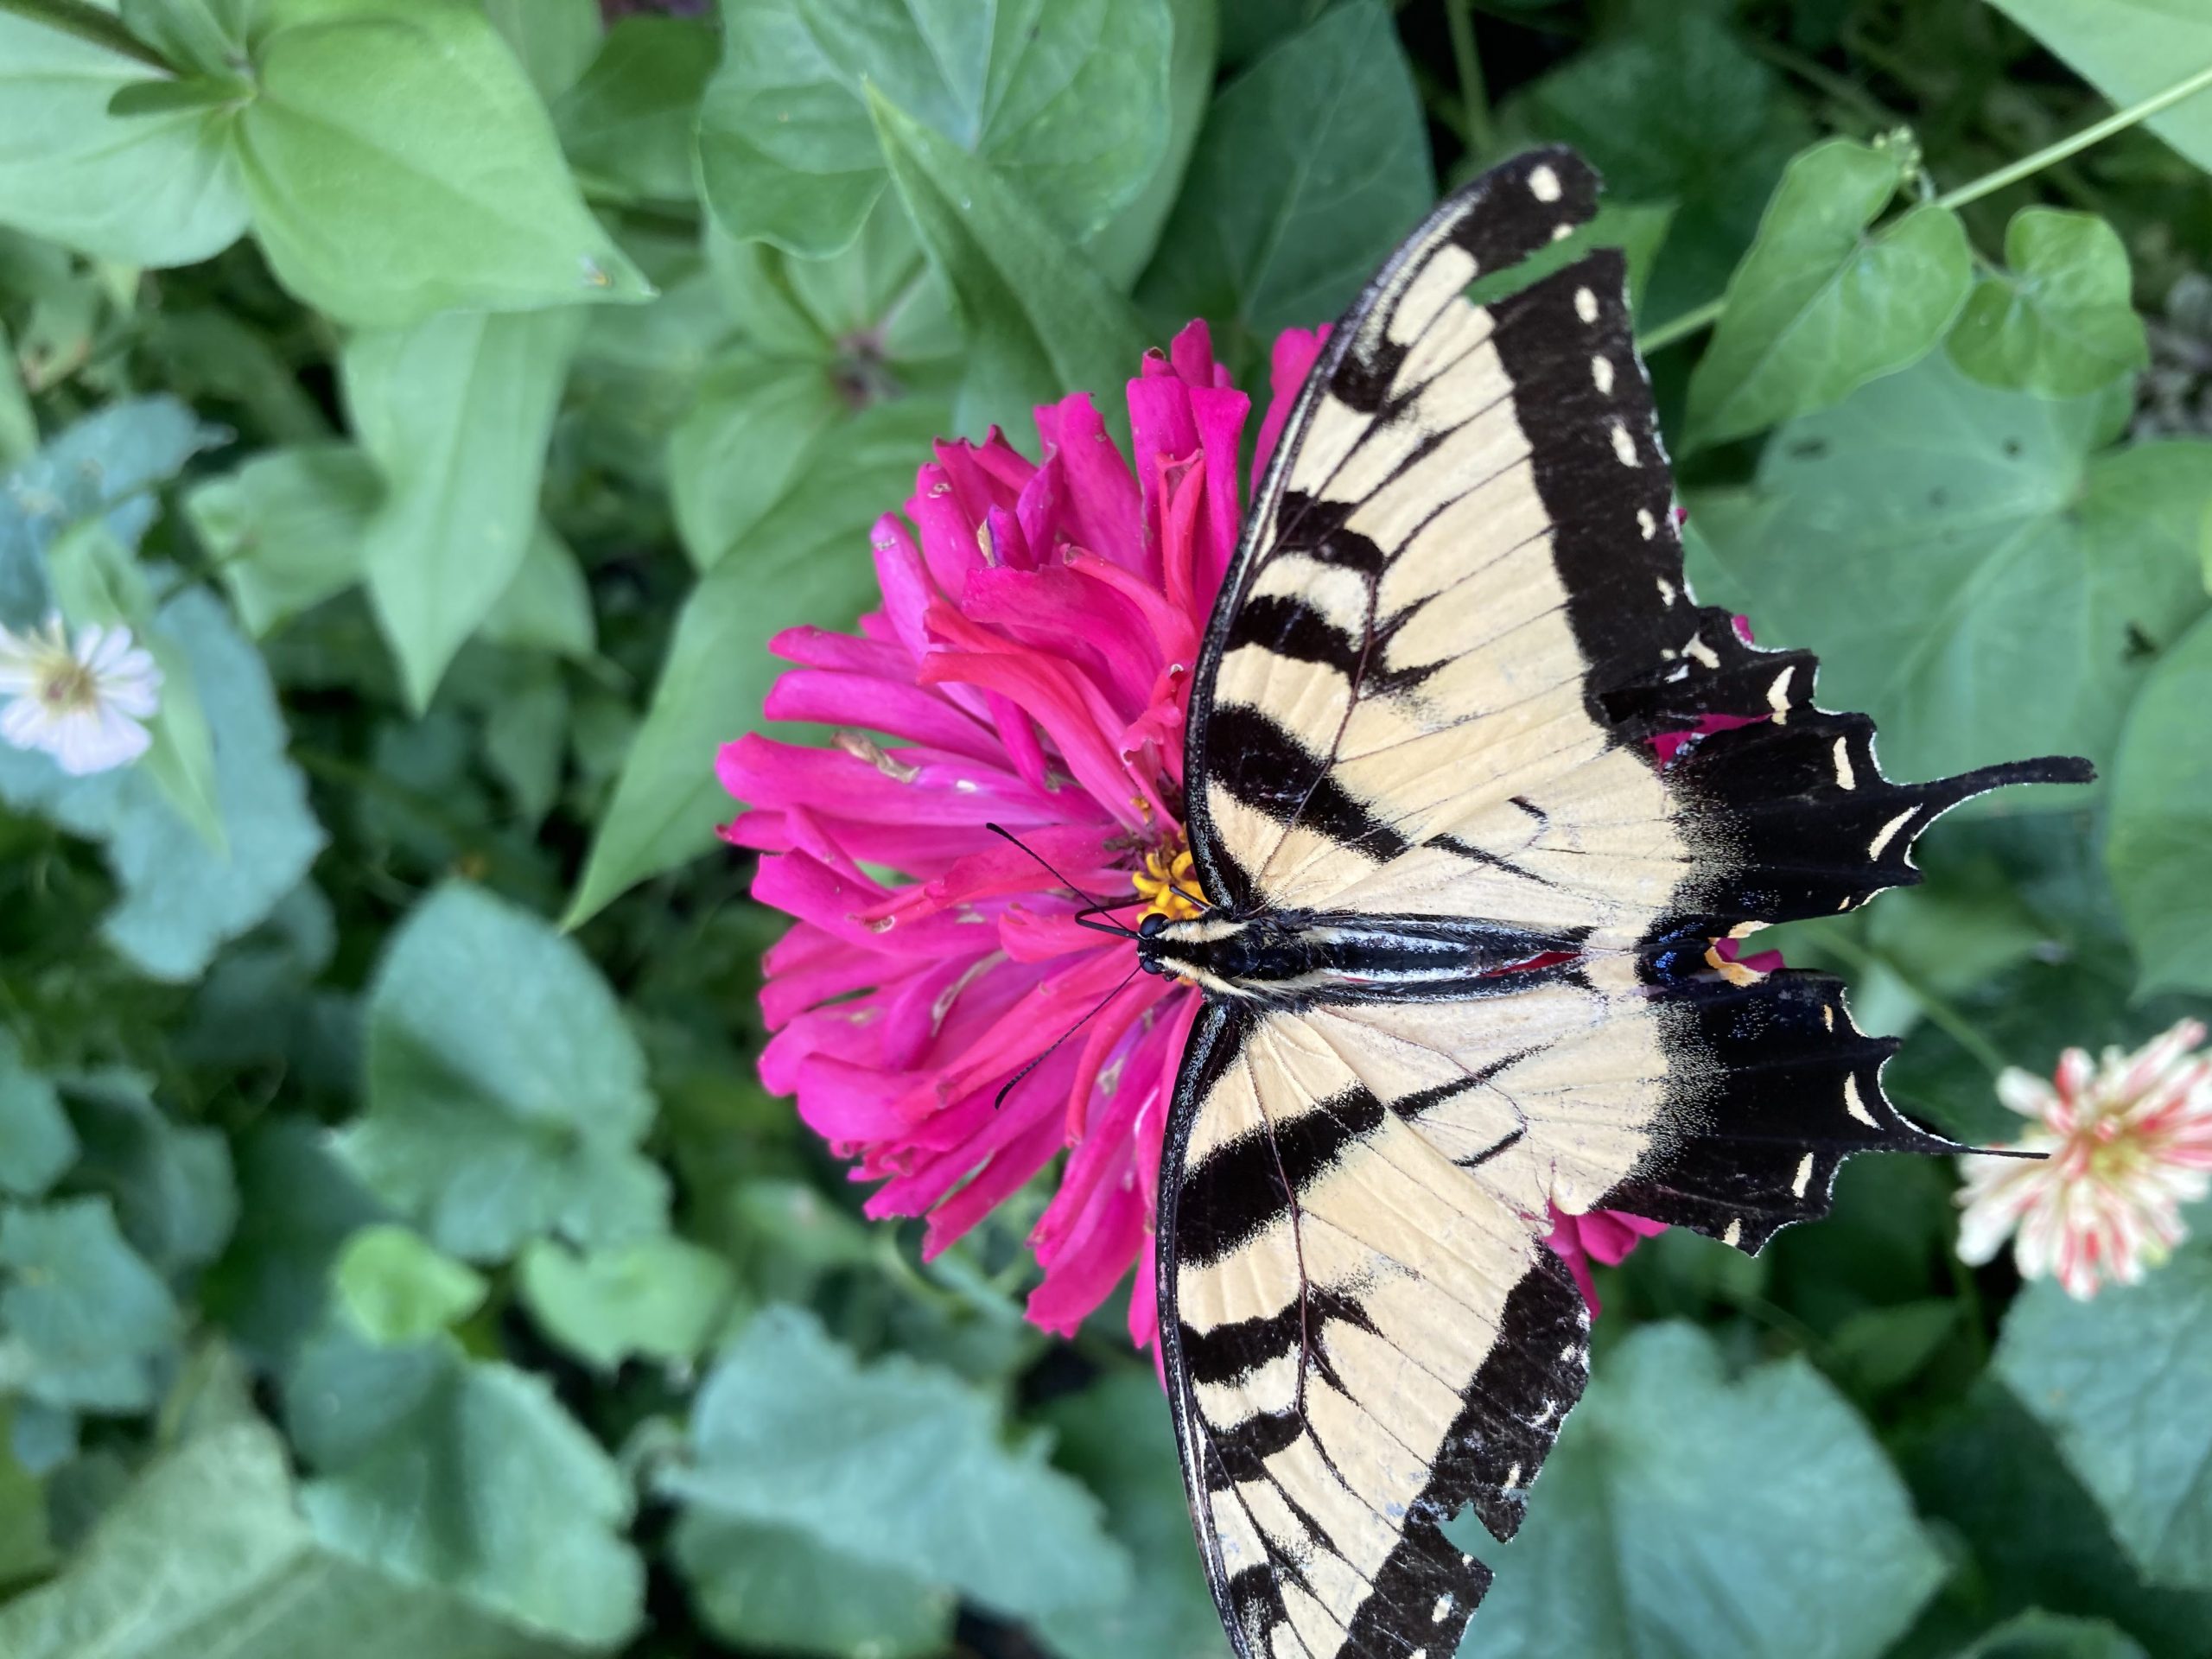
(1456, 676)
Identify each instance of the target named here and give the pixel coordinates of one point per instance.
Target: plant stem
(1482, 136)
(1704, 316)
(2096, 132)
(89, 23)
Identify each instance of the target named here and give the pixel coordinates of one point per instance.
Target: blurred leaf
(96, 582)
(181, 900)
(1989, 1473)
(455, 411)
(1971, 574)
(2135, 1431)
(1884, 1348)
(1637, 229)
(105, 465)
(399, 164)
(2037, 1635)
(1310, 166)
(1041, 321)
(548, 605)
(36, 1143)
(202, 34)
(285, 530)
(505, 1093)
(1674, 109)
(661, 1298)
(25, 1549)
(1117, 1438)
(82, 1319)
(1818, 307)
(2060, 321)
(1748, 1517)
(804, 561)
(627, 123)
(1123, 246)
(554, 39)
(207, 1555)
(757, 424)
(299, 1206)
(526, 736)
(765, 1587)
(2130, 50)
(398, 1290)
(152, 189)
(2158, 846)
(470, 1477)
(173, 1192)
(1250, 26)
(1060, 100)
(937, 1494)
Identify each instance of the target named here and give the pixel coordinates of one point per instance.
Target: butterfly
(1478, 796)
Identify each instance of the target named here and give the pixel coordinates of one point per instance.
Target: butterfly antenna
(1082, 917)
(1014, 1081)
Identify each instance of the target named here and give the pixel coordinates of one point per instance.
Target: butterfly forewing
(1435, 689)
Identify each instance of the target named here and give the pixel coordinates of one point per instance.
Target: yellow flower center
(1167, 884)
(67, 687)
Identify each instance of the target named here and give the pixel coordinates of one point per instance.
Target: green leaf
(239, 1575)
(768, 1588)
(2060, 321)
(154, 190)
(1818, 308)
(1061, 101)
(1637, 229)
(757, 424)
(82, 1319)
(299, 1205)
(2130, 50)
(1750, 1517)
(2038, 1635)
(399, 164)
(1988, 1474)
(26, 1551)
(181, 900)
(172, 1185)
(36, 1143)
(285, 530)
(104, 467)
(627, 124)
(938, 1495)
(548, 605)
(96, 581)
(1311, 167)
(662, 1298)
(505, 1094)
(398, 1290)
(1673, 109)
(1041, 321)
(469, 1476)
(2160, 833)
(554, 39)
(1117, 1438)
(456, 412)
(804, 561)
(2135, 1431)
(1124, 244)
(1971, 574)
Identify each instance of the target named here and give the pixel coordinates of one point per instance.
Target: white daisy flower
(85, 705)
(2127, 1141)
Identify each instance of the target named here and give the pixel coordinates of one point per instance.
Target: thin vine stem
(1676, 329)
(89, 23)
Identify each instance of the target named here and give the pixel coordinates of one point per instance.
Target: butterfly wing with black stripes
(1456, 677)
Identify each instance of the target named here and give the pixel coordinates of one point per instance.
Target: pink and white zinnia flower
(2127, 1139)
(84, 704)
(1031, 667)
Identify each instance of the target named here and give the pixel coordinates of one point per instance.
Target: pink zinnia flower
(1031, 667)
(2127, 1141)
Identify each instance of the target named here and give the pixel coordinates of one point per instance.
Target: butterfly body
(1478, 796)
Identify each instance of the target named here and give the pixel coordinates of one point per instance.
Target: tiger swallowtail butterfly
(1464, 887)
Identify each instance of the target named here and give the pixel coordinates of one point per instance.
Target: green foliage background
(397, 1255)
